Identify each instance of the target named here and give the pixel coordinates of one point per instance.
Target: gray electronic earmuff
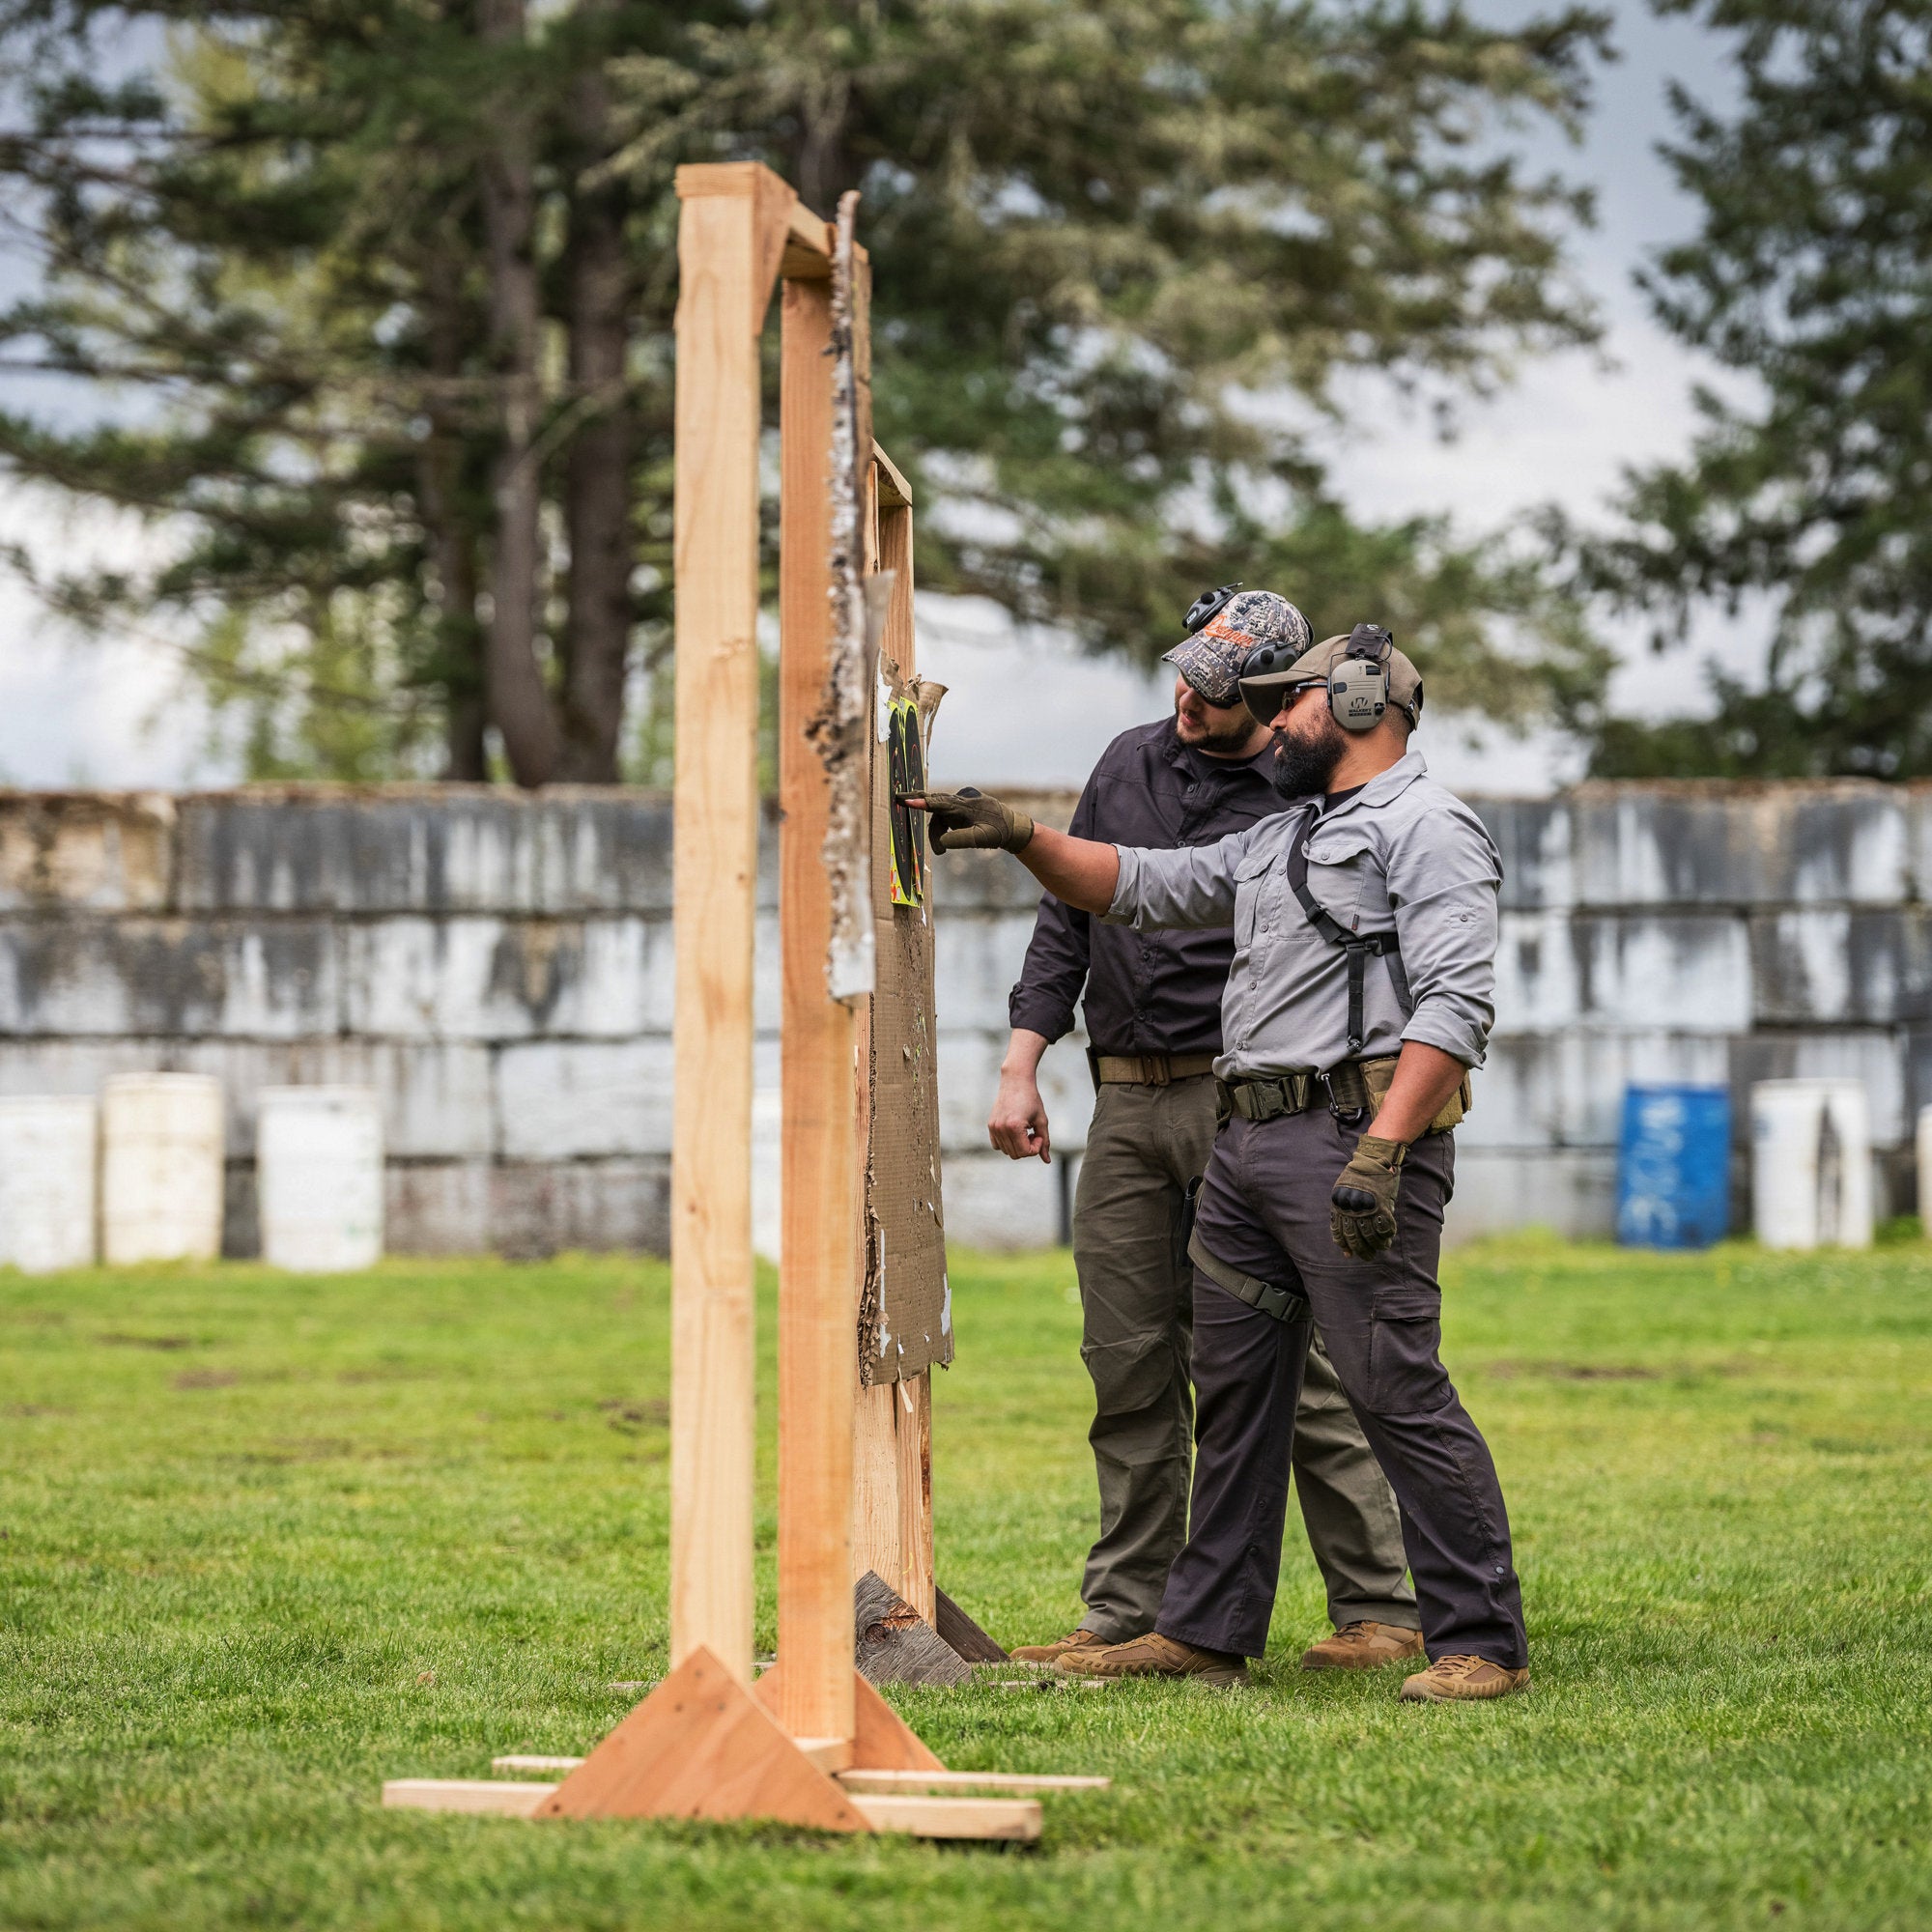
(1358, 687)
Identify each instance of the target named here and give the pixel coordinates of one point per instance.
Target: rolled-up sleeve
(1443, 880)
(1189, 888)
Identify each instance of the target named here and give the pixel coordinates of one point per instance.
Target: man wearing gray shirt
(1359, 997)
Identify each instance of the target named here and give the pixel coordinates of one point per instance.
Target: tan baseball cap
(1262, 695)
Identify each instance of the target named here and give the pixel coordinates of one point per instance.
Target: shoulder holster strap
(1361, 947)
(1265, 1297)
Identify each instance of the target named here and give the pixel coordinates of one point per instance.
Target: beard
(1230, 741)
(1304, 763)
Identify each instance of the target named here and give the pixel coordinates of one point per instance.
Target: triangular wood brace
(701, 1746)
(882, 1740)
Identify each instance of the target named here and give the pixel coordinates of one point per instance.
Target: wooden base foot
(882, 1740)
(702, 1745)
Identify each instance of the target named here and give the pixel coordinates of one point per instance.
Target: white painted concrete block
(561, 1100)
(1570, 1190)
(1537, 987)
(1648, 971)
(489, 978)
(976, 963)
(992, 1202)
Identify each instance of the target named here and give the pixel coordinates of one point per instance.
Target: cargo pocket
(1131, 1375)
(1405, 1371)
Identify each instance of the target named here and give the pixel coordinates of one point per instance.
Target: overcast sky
(107, 713)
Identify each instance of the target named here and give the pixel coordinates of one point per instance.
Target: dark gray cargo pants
(1137, 1291)
(1264, 1214)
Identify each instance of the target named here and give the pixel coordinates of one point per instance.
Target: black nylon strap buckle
(1361, 947)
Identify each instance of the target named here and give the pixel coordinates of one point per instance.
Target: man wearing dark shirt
(1153, 1017)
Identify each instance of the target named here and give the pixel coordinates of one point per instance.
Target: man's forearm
(1024, 1051)
(1425, 1077)
(1080, 873)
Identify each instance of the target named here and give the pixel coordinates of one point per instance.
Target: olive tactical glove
(1361, 1210)
(969, 821)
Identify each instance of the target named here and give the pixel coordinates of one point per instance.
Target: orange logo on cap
(1225, 630)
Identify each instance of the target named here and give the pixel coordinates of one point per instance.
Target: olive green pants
(1137, 1294)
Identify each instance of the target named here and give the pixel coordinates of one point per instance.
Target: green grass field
(265, 1541)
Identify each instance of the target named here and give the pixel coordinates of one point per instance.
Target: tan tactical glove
(969, 821)
(1361, 1210)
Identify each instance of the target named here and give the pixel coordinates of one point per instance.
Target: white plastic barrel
(161, 1149)
(1923, 1149)
(49, 1146)
(1812, 1164)
(318, 1173)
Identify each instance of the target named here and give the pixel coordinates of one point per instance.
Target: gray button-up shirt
(1404, 854)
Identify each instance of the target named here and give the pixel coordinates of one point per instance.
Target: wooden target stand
(810, 1743)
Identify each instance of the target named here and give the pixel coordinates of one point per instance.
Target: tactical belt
(1361, 947)
(1150, 1070)
(1352, 1091)
(1349, 1090)
(1265, 1297)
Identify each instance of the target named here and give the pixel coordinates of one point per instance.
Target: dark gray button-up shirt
(1144, 992)
(1404, 854)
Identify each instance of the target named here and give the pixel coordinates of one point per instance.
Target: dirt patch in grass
(1580, 1371)
(632, 1417)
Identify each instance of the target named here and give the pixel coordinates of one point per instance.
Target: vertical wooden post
(820, 1247)
(723, 289)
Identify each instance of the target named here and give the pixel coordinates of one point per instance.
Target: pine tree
(1809, 489)
(398, 279)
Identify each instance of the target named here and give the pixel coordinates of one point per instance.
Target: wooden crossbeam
(928, 1817)
(465, 1793)
(871, 1784)
(954, 1817)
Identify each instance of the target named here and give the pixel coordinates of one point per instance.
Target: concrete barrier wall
(498, 967)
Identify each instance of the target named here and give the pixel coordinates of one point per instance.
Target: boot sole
(1407, 1697)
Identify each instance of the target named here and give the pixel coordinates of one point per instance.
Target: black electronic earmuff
(1208, 606)
(1358, 687)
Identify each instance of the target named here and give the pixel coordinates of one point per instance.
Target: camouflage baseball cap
(1212, 658)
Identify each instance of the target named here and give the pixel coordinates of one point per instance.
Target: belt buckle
(1154, 1069)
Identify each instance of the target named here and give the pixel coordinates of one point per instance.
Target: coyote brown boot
(1451, 1678)
(1363, 1645)
(1153, 1656)
(1047, 1652)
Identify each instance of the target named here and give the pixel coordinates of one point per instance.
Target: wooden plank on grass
(465, 1793)
(954, 1817)
(880, 1783)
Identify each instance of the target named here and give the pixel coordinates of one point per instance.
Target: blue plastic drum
(1674, 1167)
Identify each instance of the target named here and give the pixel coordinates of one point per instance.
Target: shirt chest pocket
(1345, 880)
(1252, 885)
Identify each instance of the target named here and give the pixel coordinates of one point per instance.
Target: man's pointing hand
(968, 821)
